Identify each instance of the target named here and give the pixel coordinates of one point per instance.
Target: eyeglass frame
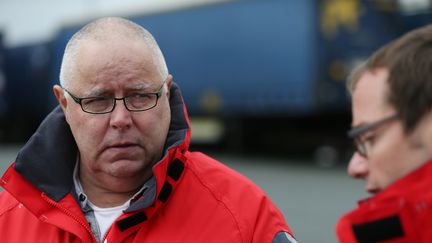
(356, 132)
(79, 100)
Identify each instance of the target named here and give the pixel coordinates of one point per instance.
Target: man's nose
(121, 117)
(358, 166)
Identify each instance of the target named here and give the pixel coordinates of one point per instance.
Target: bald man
(111, 163)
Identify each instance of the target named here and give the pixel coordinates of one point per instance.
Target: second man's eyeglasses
(355, 134)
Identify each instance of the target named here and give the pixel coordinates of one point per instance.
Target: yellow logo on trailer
(339, 13)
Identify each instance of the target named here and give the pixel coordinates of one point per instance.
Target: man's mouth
(121, 146)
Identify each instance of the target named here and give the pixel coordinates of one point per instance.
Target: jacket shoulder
(7, 202)
(219, 177)
(245, 202)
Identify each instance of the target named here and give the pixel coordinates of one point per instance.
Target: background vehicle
(256, 75)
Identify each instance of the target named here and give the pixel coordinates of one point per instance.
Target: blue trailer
(270, 72)
(27, 91)
(265, 69)
(241, 58)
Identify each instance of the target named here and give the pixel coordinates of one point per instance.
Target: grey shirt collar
(142, 199)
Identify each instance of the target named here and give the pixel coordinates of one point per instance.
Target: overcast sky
(26, 21)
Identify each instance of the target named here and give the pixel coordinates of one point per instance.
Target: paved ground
(310, 197)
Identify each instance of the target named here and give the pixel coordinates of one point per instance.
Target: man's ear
(60, 95)
(169, 84)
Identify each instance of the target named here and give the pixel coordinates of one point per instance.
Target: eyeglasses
(355, 134)
(134, 102)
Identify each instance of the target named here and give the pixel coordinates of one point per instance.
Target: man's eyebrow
(104, 92)
(97, 92)
(140, 87)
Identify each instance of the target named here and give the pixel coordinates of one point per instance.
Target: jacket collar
(48, 159)
(390, 212)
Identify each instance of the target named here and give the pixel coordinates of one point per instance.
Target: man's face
(121, 144)
(391, 153)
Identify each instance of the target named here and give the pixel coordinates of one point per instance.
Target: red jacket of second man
(400, 213)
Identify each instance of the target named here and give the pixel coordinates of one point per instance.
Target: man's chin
(118, 153)
(125, 168)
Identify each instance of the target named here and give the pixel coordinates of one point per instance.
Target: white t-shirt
(106, 216)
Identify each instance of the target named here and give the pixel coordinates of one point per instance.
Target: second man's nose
(358, 166)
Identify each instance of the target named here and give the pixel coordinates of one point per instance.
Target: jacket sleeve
(270, 225)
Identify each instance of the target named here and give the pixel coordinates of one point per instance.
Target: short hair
(408, 60)
(101, 30)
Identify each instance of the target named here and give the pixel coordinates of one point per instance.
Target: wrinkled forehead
(115, 53)
(100, 63)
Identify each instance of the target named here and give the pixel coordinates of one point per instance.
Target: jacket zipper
(70, 214)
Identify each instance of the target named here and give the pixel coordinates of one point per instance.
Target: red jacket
(400, 213)
(198, 199)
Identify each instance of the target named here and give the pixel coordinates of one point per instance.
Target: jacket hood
(47, 160)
